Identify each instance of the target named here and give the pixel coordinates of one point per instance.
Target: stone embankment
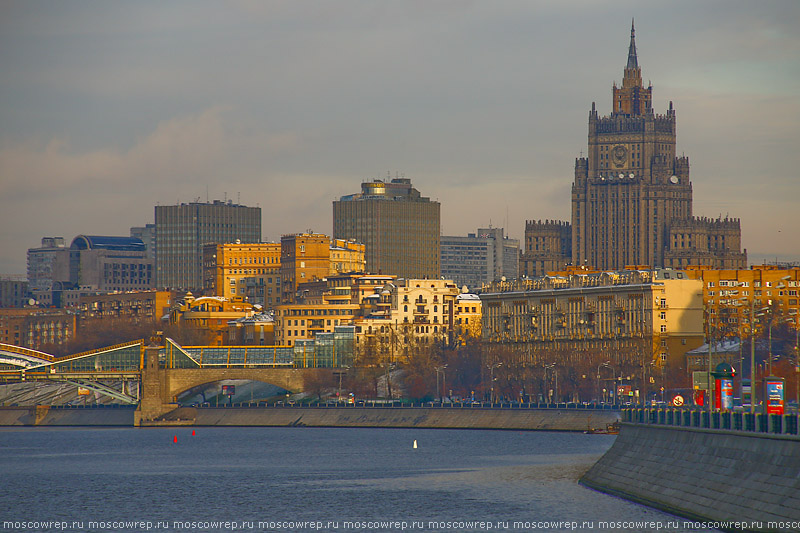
(44, 415)
(737, 479)
(552, 419)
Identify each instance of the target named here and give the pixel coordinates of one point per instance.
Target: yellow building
(730, 296)
(319, 309)
(347, 256)
(632, 317)
(307, 257)
(468, 316)
(388, 314)
(136, 307)
(211, 313)
(249, 271)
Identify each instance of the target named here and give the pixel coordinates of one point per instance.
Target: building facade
(548, 247)
(399, 227)
(211, 314)
(147, 234)
(632, 195)
(182, 230)
(139, 307)
(309, 257)
(735, 298)
(36, 328)
(104, 263)
(41, 263)
(14, 292)
(479, 258)
(391, 316)
(628, 318)
(250, 270)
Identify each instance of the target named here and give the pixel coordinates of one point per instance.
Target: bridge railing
(786, 424)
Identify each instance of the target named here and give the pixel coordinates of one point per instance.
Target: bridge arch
(179, 380)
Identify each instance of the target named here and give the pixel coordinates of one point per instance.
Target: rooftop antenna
(238, 197)
(206, 192)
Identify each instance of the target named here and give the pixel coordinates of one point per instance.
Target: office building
(479, 258)
(182, 230)
(41, 262)
(104, 263)
(147, 234)
(399, 227)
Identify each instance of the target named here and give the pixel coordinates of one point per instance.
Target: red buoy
(192, 433)
(175, 439)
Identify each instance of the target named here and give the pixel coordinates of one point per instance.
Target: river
(308, 479)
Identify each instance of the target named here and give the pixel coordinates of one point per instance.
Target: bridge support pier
(151, 403)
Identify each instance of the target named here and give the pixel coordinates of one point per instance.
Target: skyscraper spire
(632, 61)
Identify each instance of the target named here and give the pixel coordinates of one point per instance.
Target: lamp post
(752, 302)
(551, 366)
(793, 318)
(491, 368)
(598, 377)
(440, 369)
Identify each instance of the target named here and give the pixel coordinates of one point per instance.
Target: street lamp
(551, 366)
(607, 364)
(491, 368)
(440, 369)
(752, 351)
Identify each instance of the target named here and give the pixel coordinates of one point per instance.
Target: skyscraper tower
(399, 227)
(632, 187)
(182, 230)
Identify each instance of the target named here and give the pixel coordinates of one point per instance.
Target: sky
(108, 109)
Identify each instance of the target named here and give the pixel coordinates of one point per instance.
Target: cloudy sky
(110, 108)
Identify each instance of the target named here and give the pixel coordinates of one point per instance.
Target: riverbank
(566, 419)
(708, 475)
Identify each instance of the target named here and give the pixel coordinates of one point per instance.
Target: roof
(726, 346)
(102, 242)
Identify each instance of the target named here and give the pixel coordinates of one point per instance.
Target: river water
(308, 479)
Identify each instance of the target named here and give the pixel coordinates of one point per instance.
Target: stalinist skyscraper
(632, 196)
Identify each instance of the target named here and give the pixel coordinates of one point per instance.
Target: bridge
(152, 377)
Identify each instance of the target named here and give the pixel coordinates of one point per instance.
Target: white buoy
(415, 444)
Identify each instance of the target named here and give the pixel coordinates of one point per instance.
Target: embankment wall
(47, 416)
(417, 417)
(396, 417)
(705, 474)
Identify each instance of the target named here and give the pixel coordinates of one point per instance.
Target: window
(663, 328)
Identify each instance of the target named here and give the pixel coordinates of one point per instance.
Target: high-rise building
(479, 258)
(182, 230)
(399, 227)
(104, 263)
(147, 234)
(41, 262)
(632, 196)
(548, 247)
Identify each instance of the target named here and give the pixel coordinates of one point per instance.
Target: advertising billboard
(774, 395)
